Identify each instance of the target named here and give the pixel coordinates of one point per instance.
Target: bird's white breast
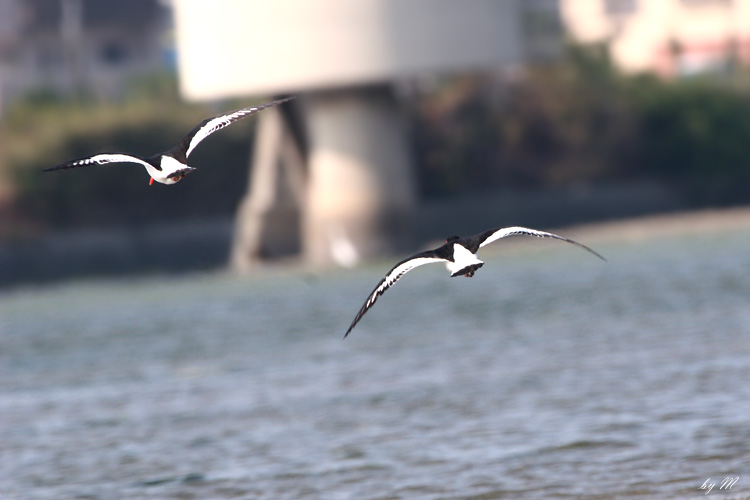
(462, 258)
(169, 165)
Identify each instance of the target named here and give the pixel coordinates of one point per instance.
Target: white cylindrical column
(361, 195)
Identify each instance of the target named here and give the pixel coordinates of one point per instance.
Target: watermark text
(726, 484)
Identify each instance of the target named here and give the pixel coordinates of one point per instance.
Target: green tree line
(582, 121)
(578, 120)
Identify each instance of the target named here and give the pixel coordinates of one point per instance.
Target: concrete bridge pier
(360, 194)
(338, 56)
(269, 217)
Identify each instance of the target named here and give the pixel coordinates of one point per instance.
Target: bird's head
(451, 239)
(178, 175)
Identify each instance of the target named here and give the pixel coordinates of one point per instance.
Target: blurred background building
(413, 121)
(73, 46)
(672, 38)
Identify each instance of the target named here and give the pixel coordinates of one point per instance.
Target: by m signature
(726, 484)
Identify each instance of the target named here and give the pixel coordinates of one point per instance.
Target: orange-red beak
(151, 181)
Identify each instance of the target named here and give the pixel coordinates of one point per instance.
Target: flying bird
(459, 256)
(170, 166)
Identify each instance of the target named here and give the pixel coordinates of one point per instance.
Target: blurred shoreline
(604, 213)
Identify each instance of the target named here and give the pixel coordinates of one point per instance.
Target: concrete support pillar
(360, 191)
(268, 219)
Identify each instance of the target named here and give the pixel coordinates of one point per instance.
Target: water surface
(549, 374)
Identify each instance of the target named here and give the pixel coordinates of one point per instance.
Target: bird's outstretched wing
(392, 277)
(100, 159)
(491, 235)
(218, 122)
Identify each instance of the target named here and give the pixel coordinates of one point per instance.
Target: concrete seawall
(205, 244)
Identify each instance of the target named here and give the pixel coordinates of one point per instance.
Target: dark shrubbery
(582, 121)
(42, 131)
(576, 121)
(697, 136)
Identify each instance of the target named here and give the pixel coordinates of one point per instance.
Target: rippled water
(548, 375)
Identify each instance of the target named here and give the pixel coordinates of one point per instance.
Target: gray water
(549, 374)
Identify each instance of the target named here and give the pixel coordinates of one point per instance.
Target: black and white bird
(459, 256)
(171, 166)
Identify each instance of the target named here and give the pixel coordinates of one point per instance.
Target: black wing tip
(597, 254)
(577, 243)
(285, 99)
(363, 310)
(354, 323)
(268, 104)
(67, 164)
(590, 250)
(275, 102)
(62, 166)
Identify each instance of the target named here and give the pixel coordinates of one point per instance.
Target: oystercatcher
(459, 255)
(171, 166)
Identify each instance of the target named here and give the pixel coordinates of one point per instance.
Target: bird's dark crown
(451, 239)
